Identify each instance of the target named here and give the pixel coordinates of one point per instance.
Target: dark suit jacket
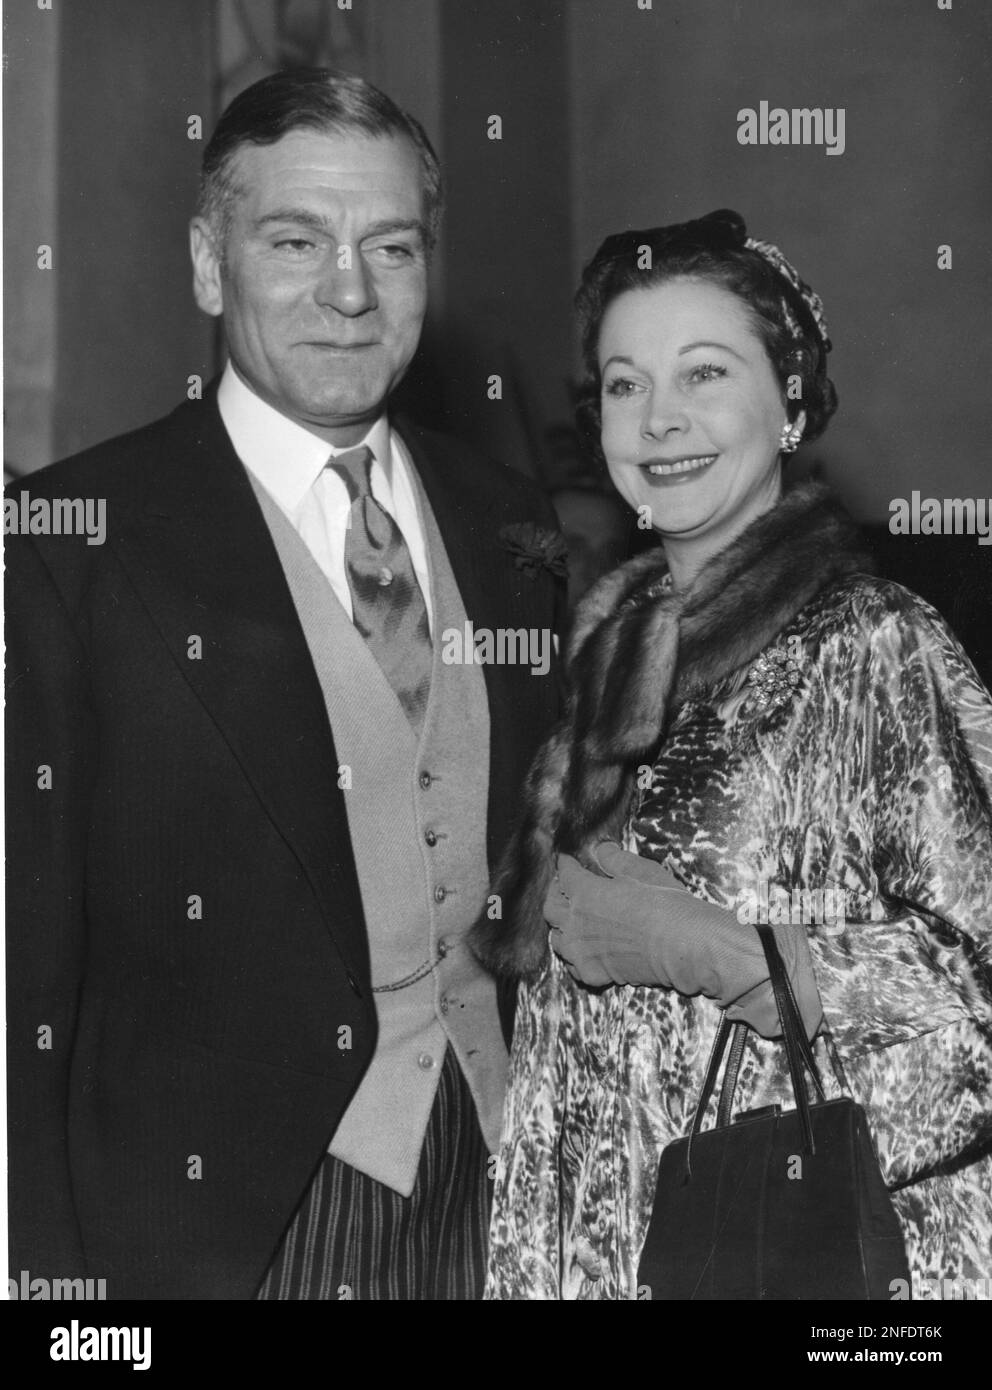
(197, 1066)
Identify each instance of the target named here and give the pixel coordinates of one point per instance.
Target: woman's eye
(707, 371)
(619, 387)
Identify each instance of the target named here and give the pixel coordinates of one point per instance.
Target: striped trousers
(353, 1238)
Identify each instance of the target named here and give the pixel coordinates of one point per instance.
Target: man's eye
(294, 244)
(707, 371)
(393, 252)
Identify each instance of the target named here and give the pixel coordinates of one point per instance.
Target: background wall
(653, 121)
(509, 251)
(613, 116)
(98, 166)
(30, 158)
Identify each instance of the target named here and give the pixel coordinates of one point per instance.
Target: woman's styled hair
(311, 99)
(786, 314)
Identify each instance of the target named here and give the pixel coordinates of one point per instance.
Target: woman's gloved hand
(640, 926)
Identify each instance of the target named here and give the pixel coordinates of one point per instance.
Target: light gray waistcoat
(419, 898)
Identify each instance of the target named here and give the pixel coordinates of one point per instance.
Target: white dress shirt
(289, 462)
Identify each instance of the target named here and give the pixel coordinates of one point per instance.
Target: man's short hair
(307, 99)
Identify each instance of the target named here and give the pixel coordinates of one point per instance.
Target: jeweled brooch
(774, 679)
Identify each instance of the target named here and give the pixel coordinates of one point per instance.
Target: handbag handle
(798, 1053)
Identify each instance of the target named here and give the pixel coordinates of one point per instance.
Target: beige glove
(640, 926)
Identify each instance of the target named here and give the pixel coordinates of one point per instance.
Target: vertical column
(508, 255)
(129, 333)
(30, 175)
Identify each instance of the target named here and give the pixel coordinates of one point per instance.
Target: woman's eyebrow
(702, 343)
(705, 343)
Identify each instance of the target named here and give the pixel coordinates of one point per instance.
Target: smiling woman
(692, 415)
(705, 361)
(749, 712)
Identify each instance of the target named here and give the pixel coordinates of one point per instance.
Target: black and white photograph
(498, 647)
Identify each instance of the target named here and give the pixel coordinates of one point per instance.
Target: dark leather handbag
(772, 1204)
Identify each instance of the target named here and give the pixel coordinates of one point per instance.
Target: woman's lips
(678, 469)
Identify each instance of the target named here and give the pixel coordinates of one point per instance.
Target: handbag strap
(799, 1055)
(730, 1074)
(797, 1047)
(723, 1033)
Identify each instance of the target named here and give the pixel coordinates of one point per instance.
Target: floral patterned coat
(866, 766)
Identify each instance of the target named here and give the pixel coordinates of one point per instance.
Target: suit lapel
(478, 563)
(495, 594)
(203, 561)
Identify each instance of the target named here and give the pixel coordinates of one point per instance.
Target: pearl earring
(790, 437)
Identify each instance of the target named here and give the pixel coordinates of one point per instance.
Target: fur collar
(634, 654)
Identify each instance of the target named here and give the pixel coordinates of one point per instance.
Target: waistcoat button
(431, 838)
(440, 894)
(425, 780)
(425, 1061)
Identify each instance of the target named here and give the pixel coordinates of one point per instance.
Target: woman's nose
(346, 284)
(664, 414)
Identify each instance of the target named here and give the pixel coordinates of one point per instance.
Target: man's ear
(207, 289)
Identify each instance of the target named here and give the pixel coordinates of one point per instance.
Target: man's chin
(319, 410)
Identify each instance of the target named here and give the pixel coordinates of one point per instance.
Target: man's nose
(664, 414)
(346, 284)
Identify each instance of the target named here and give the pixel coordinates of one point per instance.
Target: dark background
(612, 116)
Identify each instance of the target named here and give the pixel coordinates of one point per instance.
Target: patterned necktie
(388, 607)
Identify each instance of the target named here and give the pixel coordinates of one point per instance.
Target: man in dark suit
(256, 777)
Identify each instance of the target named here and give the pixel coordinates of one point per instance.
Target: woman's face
(692, 411)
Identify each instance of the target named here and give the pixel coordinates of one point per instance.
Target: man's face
(323, 286)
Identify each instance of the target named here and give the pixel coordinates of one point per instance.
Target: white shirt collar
(285, 457)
